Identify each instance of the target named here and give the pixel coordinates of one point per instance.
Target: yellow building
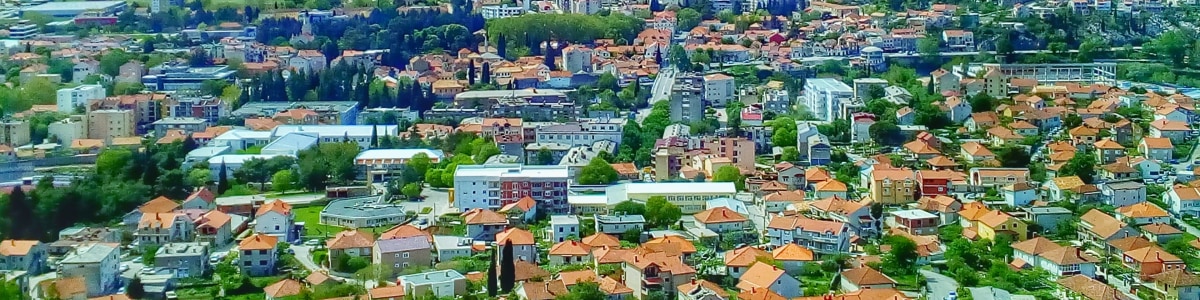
(893, 186)
(108, 124)
(690, 197)
(1000, 223)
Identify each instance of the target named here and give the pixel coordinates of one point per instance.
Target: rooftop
(182, 249)
(431, 277)
(511, 170)
(87, 254)
(363, 207)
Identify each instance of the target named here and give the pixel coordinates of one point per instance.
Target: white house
(619, 224)
(440, 283)
(1019, 194)
(71, 98)
(1183, 201)
(1057, 260)
(865, 278)
(524, 246)
(767, 276)
(275, 218)
(721, 220)
(562, 227)
(1123, 193)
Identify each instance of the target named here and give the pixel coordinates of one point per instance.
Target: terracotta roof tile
(1176, 278)
(570, 248)
(745, 256)
(866, 276)
(516, 235)
(719, 214)
(277, 206)
(793, 252)
(601, 239)
(1091, 289)
(158, 205)
(480, 216)
(1142, 210)
(259, 241)
(352, 238)
(388, 292)
(283, 288)
(760, 276)
(17, 247)
(613, 287)
(1036, 246)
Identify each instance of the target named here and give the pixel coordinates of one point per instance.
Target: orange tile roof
(277, 206)
(866, 276)
(516, 235)
(696, 284)
(1130, 243)
(1103, 224)
(527, 270)
(1157, 143)
(613, 287)
(761, 276)
(17, 247)
(785, 196)
(570, 278)
(684, 246)
(480, 216)
(403, 231)
(351, 238)
(602, 239)
(832, 185)
(67, 288)
(283, 288)
(158, 220)
(756, 293)
(525, 204)
(1160, 229)
(836, 205)
(1168, 125)
(809, 225)
(793, 252)
(1068, 256)
(976, 149)
(995, 218)
(816, 174)
(894, 175)
(213, 219)
(158, 205)
(259, 241)
(719, 214)
(569, 248)
(1107, 144)
(388, 292)
(1091, 288)
(745, 256)
(1035, 246)
(1142, 210)
(1176, 278)
(609, 255)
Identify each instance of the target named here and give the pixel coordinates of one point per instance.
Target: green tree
(148, 254)
(283, 181)
(545, 157)
(886, 133)
(902, 255)
(929, 47)
(785, 132)
(113, 161)
(1082, 165)
(729, 174)
(486, 151)
(434, 178)
(39, 91)
(135, 290)
(1012, 156)
(412, 190)
(628, 207)
(586, 290)
(598, 172)
(790, 153)
(660, 213)
(687, 18)
(982, 102)
(419, 163)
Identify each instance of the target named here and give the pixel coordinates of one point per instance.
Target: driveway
(938, 286)
(303, 254)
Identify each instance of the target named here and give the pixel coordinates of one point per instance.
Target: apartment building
(208, 108)
(25, 255)
(684, 156)
(70, 99)
(686, 103)
(108, 124)
(399, 254)
(156, 229)
(823, 95)
(493, 186)
(97, 264)
(826, 237)
(440, 283)
(894, 186)
(14, 133)
(584, 133)
(998, 176)
(690, 197)
(719, 89)
(188, 259)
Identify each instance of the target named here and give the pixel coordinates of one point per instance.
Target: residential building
(97, 264)
(399, 254)
(619, 224)
(522, 241)
(997, 223)
(738, 261)
(380, 165)
(284, 289)
(1175, 284)
(1019, 194)
(483, 224)
(352, 243)
(1047, 217)
(686, 103)
(109, 124)
(186, 259)
(1183, 200)
(690, 197)
(275, 218)
(852, 213)
(14, 133)
(24, 255)
(1058, 260)
(493, 186)
(826, 237)
(563, 227)
(822, 96)
(1107, 151)
(1142, 213)
(1151, 260)
(914, 221)
(959, 39)
(214, 227)
(1160, 149)
(718, 89)
(893, 186)
(945, 207)
(440, 283)
(865, 278)
(1176, 131)
(997, 176)
(1098, 228)
(767, 277)
(585, 133)
(1083, 287)
(69, 129)
(1123, 193)
(793, 257)
(722, 220)
(701, 289)
(72, 100)
(648, 271)
(156, 229)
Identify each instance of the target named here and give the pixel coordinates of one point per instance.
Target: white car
(124, 267)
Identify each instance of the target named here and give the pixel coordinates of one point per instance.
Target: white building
(381, 164)
(583, 133)
(232, 162)
(276, 219)
(718, 89)
(70, 98)
(440, 283)
(562, 227)
(497, 12)
(240, 139)
(68, 130)
(360, 134)
(823, 95)
(690, 197)
(98, 264)
(616, 225)
(1183, 201)
(493, 186)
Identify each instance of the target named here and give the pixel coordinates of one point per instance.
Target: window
(247, 263)
(263, 252)
(262, 262)
(405, 255)
(247, 252)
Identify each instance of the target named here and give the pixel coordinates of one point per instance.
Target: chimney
(1077, 254)
(693, 280)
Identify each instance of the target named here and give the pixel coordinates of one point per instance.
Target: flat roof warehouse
(64, 10)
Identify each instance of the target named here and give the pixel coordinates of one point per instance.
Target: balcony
(652, 281)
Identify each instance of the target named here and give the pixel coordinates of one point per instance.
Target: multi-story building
(23, 30)
(619, 224)
(524, 246)
(97, 264)
(440, 283)
(702, 154)
(1183, 201)
(69, 129)
(187, 124)
(690, 197)
(187, 259)
(585, 133)
(893, 186)
(70, 99)
(563, 227)
(308, 61)
(208, 108)
(180, 77)
(275, 218)
(14, 133)
(827, 237)
(214, 227)
(501, 11)
(914, 221)
(655, 271)
(959, 39)
(399, 254)
(352, 243)
(257, 254)
(997, 176)
(585, 7)
(721, 220)
(155, 229)
(360, 134)
(147, 108)
(718, 89)
(822, 96)
(109, 124)
(687, 103)
(25, 255)
(493, 186)
(577, 58)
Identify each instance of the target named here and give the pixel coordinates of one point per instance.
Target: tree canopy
(598, 172)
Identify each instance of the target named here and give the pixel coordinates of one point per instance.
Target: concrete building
(862, 87)
(97, 264)
(68, 10)
(687, 103)
(380, 165)
(360, 134)
(69, 129)
(180, 77)
(187, 259)
(71, 99)
(277, 219)
(585, 133)
(257, 254)
(823, 96)
(562, 227)
(619, 224)
(440, 283)
(25, 255)
(719, 89)
(690, 197)
(493, 186)
(362, 212)
(107, 124)
(187, 124)
(14, 133)
(398, 255)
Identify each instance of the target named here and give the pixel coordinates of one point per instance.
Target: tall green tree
(598, 172)
(508, 272)
(729, 174)
(660, 213)
(493, 285)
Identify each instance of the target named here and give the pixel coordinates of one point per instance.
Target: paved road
(289, 199)
(661, 90)
(304, 255)
(939, 286)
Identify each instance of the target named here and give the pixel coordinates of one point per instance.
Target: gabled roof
(403, 231)
(866, 276)
(785, 196)
(719, 214)
(1168, 125)
(1107, 144)
(1130, 243)
(1160, 229)
(831, 185)
(613, 287)
(158, 205)
(516, 235)
(1175, 278)
(745, 256)
(836, 205)
(17, 247)
(214, 219)
(351, 239)
(570, 248)
(1103, 224)
(1142, 210)
(602, 239)
(1068, 256)
(283, 288)
(1091, 288)
(793, 252)
(525, 204)
(976, 149)
(995, 218)
(277, 206)
(692, 287)
(1157, 143)
(204, 194)
(761, 276)
(805, 224)
(1152, 254)
(1036, 246)
(671, 241)
(259, 241)
(570, 278)
(481, 216)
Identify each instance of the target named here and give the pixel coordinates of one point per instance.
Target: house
(1118, 247)
(997, 223)
(615, 290)
(1175, 284)
(647, 270)
(522, 211)
(819, 235)
(1067, 261)
(1098, 227)
(793, 257)
(721, 220)
(1176, 131)
(283, 289)
(1084, 287)
(73, 288)
(1151, 260)
(188, 259)
(830, 188)
(258, 254)
(395, 292)
(214, 227)
(1123, 193)
(570, 252)
(1061, 187)
(865, 278)
(619, 224)
(483, 224)
(1108, 150)
(701, 289)
(1019, 194)
(1161, 233)
(779, 201)
(97, 264)
(351, 243)
(1142, 213)
(767, 277)
(738, 261)
(275, 218)
(976, 153)
(893, 186)
(1119, 171)
(1160, 149)
(524, 246)
(853, 213)
(914, 221)
(945, 207)
(399, 254)
(25, 255)
(997, 176)
(1183, 201)
(160, 228)
(440, 283)
(1047, 217)
(601, 239)
(789, 174)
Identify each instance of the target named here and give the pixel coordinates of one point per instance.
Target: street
(661, 90)
(939, 286)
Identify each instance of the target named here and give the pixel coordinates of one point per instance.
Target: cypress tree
(508, 272)
(486, 75)
(501, 46)
(222, 179)
(374, 136)
(471, 73)
(492, 285)
(19, 211)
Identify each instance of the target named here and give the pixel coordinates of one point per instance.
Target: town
(599, 150)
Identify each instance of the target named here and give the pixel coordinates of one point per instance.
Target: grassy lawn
(311, 216)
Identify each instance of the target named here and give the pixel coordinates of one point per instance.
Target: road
(661, 90)
(939, 286)
(289, 199)
(303, 254)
